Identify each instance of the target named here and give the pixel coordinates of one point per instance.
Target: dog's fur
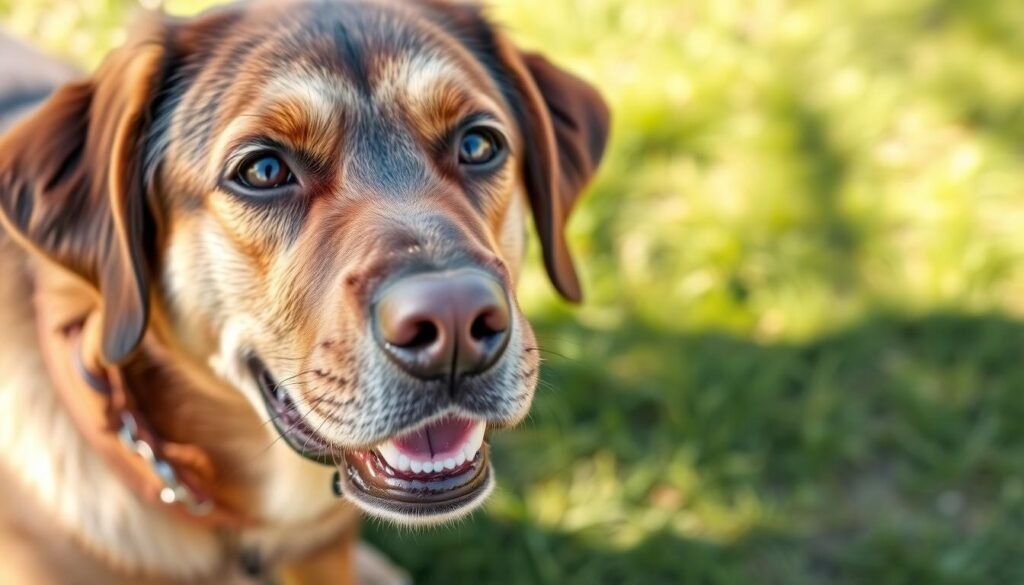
(112, 193)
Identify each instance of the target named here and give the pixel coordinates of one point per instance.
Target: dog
(258, 281)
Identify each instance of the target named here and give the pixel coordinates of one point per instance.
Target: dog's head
(325, 200)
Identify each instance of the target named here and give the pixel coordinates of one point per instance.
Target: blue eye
(479, 146)
(264, 171)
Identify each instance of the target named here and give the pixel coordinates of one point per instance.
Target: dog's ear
(565, 129)
(71, 185)
(564, 124)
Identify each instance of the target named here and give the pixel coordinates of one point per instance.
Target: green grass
(888, 452)
(800, 360)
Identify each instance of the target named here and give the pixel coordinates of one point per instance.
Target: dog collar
(102, 407)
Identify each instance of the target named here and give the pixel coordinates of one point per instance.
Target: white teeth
(401, 462)
(475, 440)
(390, 453)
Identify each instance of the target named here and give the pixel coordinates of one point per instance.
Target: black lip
(365, 480)
(288, 421)
(365, 473)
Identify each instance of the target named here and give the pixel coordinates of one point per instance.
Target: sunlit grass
(799, 360)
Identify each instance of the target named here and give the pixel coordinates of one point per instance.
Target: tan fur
(200, 277)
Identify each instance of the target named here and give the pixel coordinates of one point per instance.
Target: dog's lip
(371, 481)
(287, 419)
(437, 468)
(368, 478)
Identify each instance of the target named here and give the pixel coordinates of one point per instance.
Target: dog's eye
(264, 171)
(479, 146)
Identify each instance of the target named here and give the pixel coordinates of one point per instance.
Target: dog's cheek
(512, 234)
(527, 373)
(210, 296)
(192, 306)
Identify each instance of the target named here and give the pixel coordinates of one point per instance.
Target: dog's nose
(438, 324)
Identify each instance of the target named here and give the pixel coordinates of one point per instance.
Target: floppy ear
(71, 183)
(564, 124)
(565, 129)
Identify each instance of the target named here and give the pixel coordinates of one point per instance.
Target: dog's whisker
(559, 339)
(295, 408)
(276, 357)
(545, 385)
(290, 378)
(288, 430)
(291, 409)
(552, 352)
(316, 432)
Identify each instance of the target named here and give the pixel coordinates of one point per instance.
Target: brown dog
(304, 212)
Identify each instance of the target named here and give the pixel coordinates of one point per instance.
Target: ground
(801, 357)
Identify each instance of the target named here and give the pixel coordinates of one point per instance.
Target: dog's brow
(319, 93)
(431, 83)
(419, 73)
(302, 109)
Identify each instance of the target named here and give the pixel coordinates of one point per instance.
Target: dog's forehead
(315, 62)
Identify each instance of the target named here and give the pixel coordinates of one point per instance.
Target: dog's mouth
(434, 472)
(439, 471)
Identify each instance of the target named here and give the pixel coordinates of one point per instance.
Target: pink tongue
(437, 438)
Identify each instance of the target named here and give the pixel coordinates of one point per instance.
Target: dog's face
(324, 200)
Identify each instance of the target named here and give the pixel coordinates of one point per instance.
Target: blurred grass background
(801, 359)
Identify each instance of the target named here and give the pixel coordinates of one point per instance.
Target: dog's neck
(53, 462)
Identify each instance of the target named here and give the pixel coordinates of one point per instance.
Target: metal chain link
(173, 492)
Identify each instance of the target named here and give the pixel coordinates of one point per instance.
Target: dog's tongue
(437, 438)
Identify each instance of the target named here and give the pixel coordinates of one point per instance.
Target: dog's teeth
(474, 441)
(389, 452)
(399, 461)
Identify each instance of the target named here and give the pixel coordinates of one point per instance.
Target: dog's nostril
(487, 325)
(443, 324)
(426, 334)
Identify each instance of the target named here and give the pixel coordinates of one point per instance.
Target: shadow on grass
(485, 550)
(890, 452)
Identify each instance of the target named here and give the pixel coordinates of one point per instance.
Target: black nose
(440, 324)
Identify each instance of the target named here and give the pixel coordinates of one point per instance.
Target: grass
(800, 358)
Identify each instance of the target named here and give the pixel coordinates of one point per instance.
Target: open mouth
(440, 470)
(289, 421)
(437, 471)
